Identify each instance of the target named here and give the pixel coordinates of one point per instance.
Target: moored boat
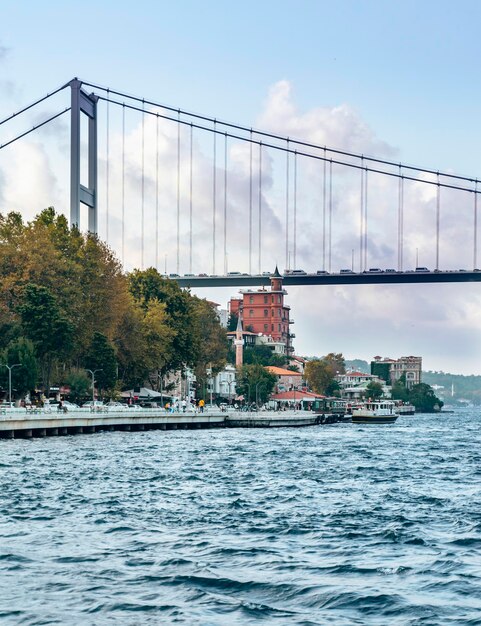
(375, 412)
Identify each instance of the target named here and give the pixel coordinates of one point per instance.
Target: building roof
(280, 371)
(358, 374)
(296, 395)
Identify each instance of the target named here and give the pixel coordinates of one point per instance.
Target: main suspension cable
(315, 156)
(37, 126)
(49, 95)
(283, 139)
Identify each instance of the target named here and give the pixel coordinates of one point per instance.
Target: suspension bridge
(213, 203)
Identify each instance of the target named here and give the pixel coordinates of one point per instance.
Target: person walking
(201, 405)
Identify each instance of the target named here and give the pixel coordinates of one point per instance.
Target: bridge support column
(81, 102)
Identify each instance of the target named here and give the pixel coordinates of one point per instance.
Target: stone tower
(239, 342)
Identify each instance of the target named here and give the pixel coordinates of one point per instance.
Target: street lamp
(10, 368)
(248, 393)
(93, 382)
(257, 393)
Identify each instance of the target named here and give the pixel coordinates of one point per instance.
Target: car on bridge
(295, 273)
(374, 270)
(346, 272)
(422, 269)
(321, 272)
(234, 274)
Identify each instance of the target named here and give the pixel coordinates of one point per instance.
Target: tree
(80, 384)
(45, 326)
(101, 356)
(374, 390)
(147, 285)
(232, 323)
(24, 378)
(319, 375)
(423, 398)
(263, 355)
(255, 380)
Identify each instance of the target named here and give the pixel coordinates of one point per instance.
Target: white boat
(375, 412)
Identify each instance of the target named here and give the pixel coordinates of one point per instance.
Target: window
(251, 313)
(272, 311)
(266, 312)
(272, 326)
(251, 299)
(272, 298)
(265, 299)
(279, 312)
(279, 328)
(266, 327)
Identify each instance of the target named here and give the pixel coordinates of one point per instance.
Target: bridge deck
(365, 278)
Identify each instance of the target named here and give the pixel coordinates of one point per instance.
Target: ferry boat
(375, 412)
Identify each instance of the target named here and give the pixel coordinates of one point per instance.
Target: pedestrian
(184, 405)
(201, 405)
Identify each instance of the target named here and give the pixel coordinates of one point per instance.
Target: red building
(264, 311)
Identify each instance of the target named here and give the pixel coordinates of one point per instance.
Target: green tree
(147, 285)
(101, 356)
(80, 384)
(255, 380)
(50, 332)
(319, 375)
(232, 323)
(399, 390)
(24, 378)
(423, 398)
(374, 390)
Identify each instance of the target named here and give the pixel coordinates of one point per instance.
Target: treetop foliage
(64, 293)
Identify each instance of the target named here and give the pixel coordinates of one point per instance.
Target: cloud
(442, 323)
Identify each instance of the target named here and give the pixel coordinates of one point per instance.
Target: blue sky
(408, 71)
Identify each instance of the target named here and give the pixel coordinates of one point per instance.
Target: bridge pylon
(81, 102)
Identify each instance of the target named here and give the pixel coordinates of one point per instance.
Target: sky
(395, 80)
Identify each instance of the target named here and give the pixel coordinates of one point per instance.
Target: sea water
(337, 524)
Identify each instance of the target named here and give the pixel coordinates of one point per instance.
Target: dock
(25, 423)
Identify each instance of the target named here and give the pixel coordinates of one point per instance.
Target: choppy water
(337, 524)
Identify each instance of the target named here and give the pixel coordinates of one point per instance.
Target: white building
(224, 383)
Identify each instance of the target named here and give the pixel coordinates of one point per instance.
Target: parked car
(93, 404)
(70, 406)
(117, 406)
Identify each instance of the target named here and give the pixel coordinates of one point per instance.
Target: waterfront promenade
(22, 423)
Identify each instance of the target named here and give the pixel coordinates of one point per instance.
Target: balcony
(292, 335)
(291, 321)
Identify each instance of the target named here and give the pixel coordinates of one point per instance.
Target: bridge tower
(82, 102)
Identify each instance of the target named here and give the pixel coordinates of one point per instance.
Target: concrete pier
(16, 423)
